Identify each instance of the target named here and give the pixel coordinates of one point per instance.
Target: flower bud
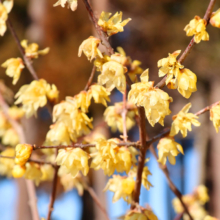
(23, 153)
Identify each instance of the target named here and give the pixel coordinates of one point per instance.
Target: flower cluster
(183, 121)
(35, 95)
(197, 27)
(215, 116)
(22, 153)
(72, 4)
(155, 101)
(141, 214)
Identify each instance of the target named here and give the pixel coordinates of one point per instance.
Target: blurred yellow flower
(18, 171)
(201, 194)
(197, 27)
(183, 121)
(16, 112)
(90, 48)
(122, 187)
(10, 137)
(72, 4)
(99, 94)
(215, 19)
(8, 4)
(4, 124)
(170, 66)
(74, 160)
(35, 95)
(33, 172)
(14, 67)
(31, 50)
(113, 76)
(3, 19)
(100, 61)
(22, 153)
(155, 101)
(168, 148)
(143, 214)
(112, 25)
(47, 172)
(82, 101)
(208, 217)
(6, 165)
(215, 116)
(114, 119)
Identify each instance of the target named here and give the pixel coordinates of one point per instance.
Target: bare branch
(89, 83)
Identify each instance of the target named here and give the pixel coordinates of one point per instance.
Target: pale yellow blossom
(208, 217)
(113, 76)
(72, 4)
(10, 137)
(215, 19)
(112, 25)
(183, 121)
(215, 116)
(82, 101)
(6, 165)
(47, 172)
(33, 172)
(170, 66)
(143, 214)
(3, 19)
(4, 124)
(100, 61)
(31, 50)
(155, 101)
(35, 95)
(122, 187)
(14, 67)
(90, 48)
(22, 153)
(74, 160)
(8, 4)
(197, 27)
(168, 148)
(201, 194)
(16, 112)
(18, 171)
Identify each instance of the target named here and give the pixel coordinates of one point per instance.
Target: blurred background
(156, 29)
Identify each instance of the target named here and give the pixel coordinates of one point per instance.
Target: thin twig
(171, 184)
(102, 35)
(90, 78)
(192, 42)
(124, 115)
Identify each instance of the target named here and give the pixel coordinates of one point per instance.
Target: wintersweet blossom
(122, 187)
(33, 172)
(215, 116)
(3, 19)
(82, 101)
(16, 112)
(72, 4)
(143, 214)
(47, 172)
(90, 48)
(197, 27)
(4, 124)
(170, 66)
(155, 101)
(183, 121)
(99, 94)
(74, 160)
(18, 171)
(22, 153)
(208, 217)
(113, 76)
(168, 148)
(14, 67)
(35, 95)
(100, 61)
(201, 194)
(31, 50)
(111, 157)
(6, 165)
(8, 4)
(114, 24)
(113, 117)
(215, 19)
(10, 138)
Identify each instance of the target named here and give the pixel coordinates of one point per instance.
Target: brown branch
(171, 184)
(124, 115)
(102, 35)
(192, 42)
(90, 78)
(206, 108)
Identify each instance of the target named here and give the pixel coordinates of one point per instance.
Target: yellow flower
(112, 25)
(14, 67)
(100, 61)
(47, 172)
(74, 160)
(16, 112)
(112, 76)
(197, 27)
(99, 94)
(3, 19)
(4, 124)
(122, 187)
(18, 171)
(155, 101)
(145, 214)
(72, 4)
(8, 5)
(33, 172)
(10, 137)
(90, 48)
(70, 182)
(170, 66)
(35, 95)
(23, 153)
(183, 121)
(111, 157)
(201, 194)
(146, 183)
(82, 101)
(168, 148)
(215, 116)
(6, 165)
(31, 50)
(208, 217)
(215, 19)
(114, 119)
